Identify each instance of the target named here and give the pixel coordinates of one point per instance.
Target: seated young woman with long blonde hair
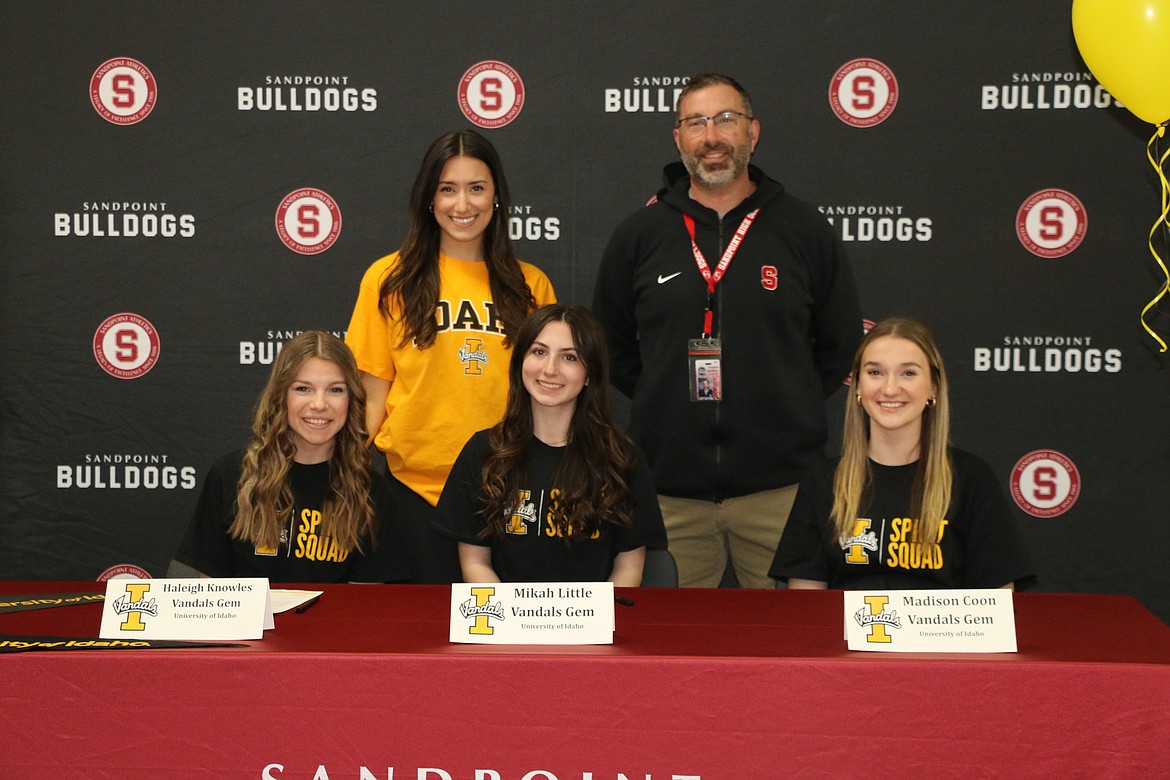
(900, 508)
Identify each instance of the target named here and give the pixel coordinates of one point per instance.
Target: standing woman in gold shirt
(430, 331)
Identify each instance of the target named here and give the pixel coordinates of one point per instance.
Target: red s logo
(490, 96)
(864, 98)
(127, 345)
(308, 217)
(768, 277)
(1044, 479)
(1051, 223)
(123, 89)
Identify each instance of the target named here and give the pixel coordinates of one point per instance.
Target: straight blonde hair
(853, 482)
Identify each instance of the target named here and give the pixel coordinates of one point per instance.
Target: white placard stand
(188, 609)
(931, 621)
(533, 613)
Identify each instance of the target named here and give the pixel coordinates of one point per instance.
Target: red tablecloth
(714, 684)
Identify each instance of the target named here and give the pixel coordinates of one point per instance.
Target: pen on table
(625, 602)
(305, 607)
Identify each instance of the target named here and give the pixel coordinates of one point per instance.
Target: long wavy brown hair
(264, 499)
(411, 289)
(853, 482)
(595, 476)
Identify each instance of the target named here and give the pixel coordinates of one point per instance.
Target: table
(712, 684)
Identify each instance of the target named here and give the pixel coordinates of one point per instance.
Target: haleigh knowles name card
(188, 609)
(527, 613)
(936, 621)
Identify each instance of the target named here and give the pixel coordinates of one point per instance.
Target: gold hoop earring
(859, 399)
(931, 402)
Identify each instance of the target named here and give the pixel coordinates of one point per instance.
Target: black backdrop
(171, 222)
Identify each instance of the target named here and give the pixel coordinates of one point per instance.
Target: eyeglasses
(726, 120)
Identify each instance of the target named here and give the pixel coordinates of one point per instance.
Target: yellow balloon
(1126, 44)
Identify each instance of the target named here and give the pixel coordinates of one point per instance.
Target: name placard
(931, 621)
(201, 608)
(533, 613)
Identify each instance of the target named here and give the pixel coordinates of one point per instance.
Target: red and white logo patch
(863, 93)
(126, 346)
(491, 94)
(123, 91)
(308, 221)
(769, 277)
(1045, 483)
(124, 571)
(1051, 223)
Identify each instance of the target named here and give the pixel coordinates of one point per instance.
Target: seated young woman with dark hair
(555, 491)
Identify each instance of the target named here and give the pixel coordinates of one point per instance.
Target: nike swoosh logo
(664, 279)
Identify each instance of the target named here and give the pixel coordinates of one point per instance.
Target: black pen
(625, 602)
(305, 607)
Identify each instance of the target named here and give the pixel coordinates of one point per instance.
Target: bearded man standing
(727, 278)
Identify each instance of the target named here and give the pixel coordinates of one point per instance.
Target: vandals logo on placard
(481, 611)
(875, 617)
(1051, 223)
(1045, 483)
(123, 91)
(126, 345)
(308, 221)
(863, 92)
(133, 605)
(491, 94)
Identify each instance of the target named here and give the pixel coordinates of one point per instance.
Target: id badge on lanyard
(705, 354)
(704, 357)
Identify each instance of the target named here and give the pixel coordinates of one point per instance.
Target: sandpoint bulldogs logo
(650, 94)
(525, 225)
(491, 94)
(308, 221)
(1051, 223)
(863, 93)
(123, 91)
(1042, 90)
(1045, 483)
(126, 346)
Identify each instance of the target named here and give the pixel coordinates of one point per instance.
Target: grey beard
(738, 163)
